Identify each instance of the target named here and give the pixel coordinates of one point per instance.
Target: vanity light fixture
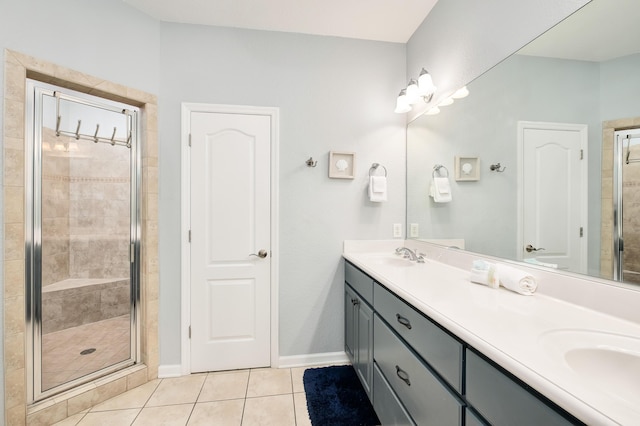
(461, 93)
(446, 102)
(416, 90)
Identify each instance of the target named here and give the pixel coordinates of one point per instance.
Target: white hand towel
(440, 190)
(377, 189)
(516, 280)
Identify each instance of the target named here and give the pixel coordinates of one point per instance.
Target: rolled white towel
(484, 273)
(516, 280)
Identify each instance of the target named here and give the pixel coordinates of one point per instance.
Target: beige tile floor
(61, 358)
(243, 397)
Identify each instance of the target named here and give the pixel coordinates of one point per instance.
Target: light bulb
(402, 105)
(413, 95)
(425, 83)
(433, 111)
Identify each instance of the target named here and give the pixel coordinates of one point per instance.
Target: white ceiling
(382, 20)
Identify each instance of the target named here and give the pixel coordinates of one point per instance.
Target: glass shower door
(84, 227)
(627, 207)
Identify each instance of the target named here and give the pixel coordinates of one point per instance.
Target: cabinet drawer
(439, 349)
(388, 408)
(426, 399)
(501, 400)
(361, 283)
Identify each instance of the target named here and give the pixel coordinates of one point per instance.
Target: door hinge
(189, 332)
(189, 139)
(581, 232)
(189, 235)
(582, 154)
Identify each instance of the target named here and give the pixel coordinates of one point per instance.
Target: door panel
(554, 194)
(230, 220)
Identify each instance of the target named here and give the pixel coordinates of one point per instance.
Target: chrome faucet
(410, 254)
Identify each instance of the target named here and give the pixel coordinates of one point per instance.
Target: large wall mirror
(560, 118)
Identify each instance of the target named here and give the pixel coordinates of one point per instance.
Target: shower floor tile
(62, 360)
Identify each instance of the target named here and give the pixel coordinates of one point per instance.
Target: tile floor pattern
(61, 358)
(243, 397)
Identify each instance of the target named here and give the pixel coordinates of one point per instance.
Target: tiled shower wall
(86, 210)
(55, 214)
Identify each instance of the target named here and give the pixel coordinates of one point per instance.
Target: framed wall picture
(342, 165)
(467, 168)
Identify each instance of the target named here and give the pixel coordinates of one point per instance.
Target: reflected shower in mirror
(551, 113)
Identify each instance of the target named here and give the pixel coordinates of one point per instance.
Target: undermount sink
(611, 361)
(390, 260)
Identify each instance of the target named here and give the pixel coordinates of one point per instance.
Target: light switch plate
(414, 230)
(397, 230)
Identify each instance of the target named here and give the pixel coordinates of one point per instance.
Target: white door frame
(187, 109)
(584, 203)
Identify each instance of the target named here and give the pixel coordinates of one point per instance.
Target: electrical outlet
(397, 230)
(414, 230)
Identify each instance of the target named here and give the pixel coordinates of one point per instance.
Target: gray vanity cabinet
(426, 399)
(501, 400)
(359, 324)
(416, 372)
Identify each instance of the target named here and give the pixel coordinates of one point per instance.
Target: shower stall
(626, 206)
(82, 238)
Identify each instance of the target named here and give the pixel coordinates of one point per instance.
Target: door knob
(529, 248)
(261, 254)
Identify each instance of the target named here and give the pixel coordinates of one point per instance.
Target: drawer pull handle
(402, 320)
(355, 302)
(403, 375)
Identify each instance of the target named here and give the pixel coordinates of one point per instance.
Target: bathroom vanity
(430, 347)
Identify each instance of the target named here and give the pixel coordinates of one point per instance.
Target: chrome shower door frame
(33, 234)
(620, 136)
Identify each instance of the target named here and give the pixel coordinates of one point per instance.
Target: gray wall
(620, 87)
(333, 94)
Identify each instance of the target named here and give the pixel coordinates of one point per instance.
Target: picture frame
(467, 168)
(342, 165)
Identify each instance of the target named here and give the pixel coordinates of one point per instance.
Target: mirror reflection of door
(554, 195)
(627, 206)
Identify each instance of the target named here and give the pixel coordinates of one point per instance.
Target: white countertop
(517, 332)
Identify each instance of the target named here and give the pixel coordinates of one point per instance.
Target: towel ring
(374, 168)
(436, 169)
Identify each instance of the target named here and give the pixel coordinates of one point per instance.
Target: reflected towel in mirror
(377, 188)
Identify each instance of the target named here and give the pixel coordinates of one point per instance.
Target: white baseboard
(165, 371)
(308, 360)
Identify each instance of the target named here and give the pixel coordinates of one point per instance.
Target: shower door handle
(529, 248)
(261, 254)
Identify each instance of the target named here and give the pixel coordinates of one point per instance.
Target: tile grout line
(293, 399)
(246, 392)
(197, 397)
(146, 402)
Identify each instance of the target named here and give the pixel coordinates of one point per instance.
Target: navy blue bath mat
(335, 397)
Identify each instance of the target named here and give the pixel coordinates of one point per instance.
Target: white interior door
(230, 221)
(554, 195)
